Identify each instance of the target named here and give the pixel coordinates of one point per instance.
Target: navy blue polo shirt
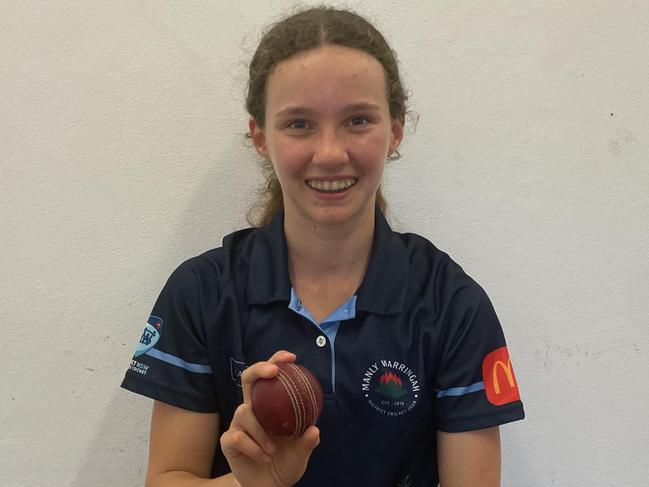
(417, 349)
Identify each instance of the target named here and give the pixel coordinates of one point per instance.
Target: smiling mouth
(332, 186)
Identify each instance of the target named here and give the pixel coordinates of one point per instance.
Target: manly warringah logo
(390, 387)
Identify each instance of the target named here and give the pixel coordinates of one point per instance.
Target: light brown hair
(305, 30)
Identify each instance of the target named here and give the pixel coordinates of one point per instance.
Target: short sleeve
(171, 360)
(475, 383)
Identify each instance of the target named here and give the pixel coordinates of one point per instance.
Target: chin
(336, 215)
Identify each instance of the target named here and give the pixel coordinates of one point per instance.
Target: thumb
(309, 440)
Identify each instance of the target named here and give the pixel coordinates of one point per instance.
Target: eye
(297, 124)
(358, 120)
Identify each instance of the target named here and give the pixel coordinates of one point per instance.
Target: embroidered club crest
(391, 388)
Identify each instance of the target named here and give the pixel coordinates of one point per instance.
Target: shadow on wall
(119, 449)
(518, 468)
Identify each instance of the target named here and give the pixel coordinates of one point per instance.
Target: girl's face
(328, 132)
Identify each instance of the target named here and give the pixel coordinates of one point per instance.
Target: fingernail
(270, 448)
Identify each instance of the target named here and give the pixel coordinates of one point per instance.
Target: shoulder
(214, 267)
(437, 272)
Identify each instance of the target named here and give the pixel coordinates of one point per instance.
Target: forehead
(325, 78)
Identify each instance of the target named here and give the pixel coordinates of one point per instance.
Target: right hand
(256, 457)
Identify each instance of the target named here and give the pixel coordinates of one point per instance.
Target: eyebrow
(301, 110)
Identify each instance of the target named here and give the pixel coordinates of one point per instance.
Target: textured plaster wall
(121, 154)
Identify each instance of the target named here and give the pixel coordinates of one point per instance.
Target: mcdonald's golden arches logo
(499, 379)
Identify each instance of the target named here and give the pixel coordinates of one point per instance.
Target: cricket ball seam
(309, 389)
(300, 417)
(288, 387)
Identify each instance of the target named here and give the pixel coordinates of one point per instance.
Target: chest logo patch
(391, 388)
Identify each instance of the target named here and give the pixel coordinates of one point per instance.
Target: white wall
(121, 154)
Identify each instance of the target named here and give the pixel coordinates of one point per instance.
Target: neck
(326, 251)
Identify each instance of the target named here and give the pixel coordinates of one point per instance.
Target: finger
(260, 370)
(236, 442)
(282, 356)
(263, 370)
(245, 419)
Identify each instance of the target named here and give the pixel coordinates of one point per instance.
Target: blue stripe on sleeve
(178, 362)
(461, 391)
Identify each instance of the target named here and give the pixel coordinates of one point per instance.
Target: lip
(331, 179)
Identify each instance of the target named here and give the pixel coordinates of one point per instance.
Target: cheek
(287, 157)
(372, 152)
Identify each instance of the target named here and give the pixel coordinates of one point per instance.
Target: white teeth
(332, 186)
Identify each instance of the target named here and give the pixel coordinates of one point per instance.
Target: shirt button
(321, 341)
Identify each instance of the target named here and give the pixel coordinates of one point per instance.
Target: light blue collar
(345, 311)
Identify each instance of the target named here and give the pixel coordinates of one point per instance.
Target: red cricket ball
(289, 403)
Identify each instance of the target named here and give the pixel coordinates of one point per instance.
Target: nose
(330, 149)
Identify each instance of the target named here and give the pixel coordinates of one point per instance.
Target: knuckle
(237, 437)
(226, 438)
